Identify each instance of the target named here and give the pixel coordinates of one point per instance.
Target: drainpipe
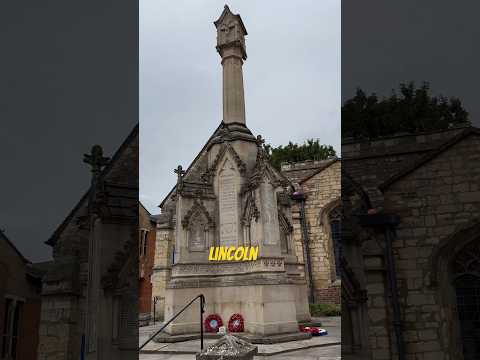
(387, 224)
(300, 197)
(392, 279)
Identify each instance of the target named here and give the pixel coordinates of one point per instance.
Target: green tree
(310, 150)
(412, 110)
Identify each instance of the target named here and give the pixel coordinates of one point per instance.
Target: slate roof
(118, 191)
(300, 172)
(379, 163)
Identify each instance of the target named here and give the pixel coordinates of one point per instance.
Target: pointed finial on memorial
(231, 48)
(260, 140)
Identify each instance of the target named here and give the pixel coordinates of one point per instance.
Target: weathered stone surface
(92, 289)
(230, 196)
(428, 181)
(229, 347)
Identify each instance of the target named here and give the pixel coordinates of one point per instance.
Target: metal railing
(202, 310)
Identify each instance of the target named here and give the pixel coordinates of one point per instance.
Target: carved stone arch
(196, 208)
(225, 148)
(447, 250)
(325, 211)
(286, 230)
(198, 224)
(330, 219)
(456, 259)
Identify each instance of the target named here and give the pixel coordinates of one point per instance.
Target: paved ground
(319, 347)
(326, 353)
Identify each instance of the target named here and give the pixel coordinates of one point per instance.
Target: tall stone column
(231, 47)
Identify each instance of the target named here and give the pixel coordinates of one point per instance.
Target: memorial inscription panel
(228, 206)
(197, 235)
(270, 214)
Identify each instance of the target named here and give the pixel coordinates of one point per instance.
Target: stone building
(411, 263)
(20, 287)
(90, 294)
(146, 254)
(319, 246)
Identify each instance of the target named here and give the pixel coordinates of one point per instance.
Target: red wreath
(315, 331)
(212, 323)
(235, 324)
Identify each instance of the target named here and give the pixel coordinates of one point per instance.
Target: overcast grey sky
(385, 43)
(291, 78)
(69, 77)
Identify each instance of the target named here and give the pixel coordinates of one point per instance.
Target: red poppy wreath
(235, 324)
(212, 323)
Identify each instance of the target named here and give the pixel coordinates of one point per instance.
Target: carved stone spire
(231, 47)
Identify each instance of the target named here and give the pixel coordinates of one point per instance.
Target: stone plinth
(267, 309)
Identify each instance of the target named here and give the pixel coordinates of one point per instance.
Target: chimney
(231, 47)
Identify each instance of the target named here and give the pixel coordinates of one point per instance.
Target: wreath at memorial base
(313, 330)
(236, 323)
(212, 323)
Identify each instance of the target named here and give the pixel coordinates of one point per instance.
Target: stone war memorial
(231, 196)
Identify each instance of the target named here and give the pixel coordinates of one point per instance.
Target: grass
(325, 310)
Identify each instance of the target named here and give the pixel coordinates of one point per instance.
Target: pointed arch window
(466, 267)
(335, 220)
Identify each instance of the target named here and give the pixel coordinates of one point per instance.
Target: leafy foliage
(310, 150)
(413, 110)
(325, 310)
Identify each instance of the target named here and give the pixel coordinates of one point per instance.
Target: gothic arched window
(335, 220)
(467, 288)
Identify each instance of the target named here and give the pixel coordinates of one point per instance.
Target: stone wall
(431, 183)
(162, 268)
(433, 202)
(146, 265)
(320, 182)
(60, 321)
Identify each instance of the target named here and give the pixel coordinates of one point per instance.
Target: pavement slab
(318, 347)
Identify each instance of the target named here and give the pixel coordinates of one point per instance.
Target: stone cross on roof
(180, 172)
(96, 159)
